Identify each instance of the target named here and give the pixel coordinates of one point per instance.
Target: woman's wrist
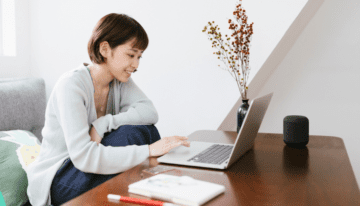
(149, 151)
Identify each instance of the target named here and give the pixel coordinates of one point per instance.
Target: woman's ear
(105, 49)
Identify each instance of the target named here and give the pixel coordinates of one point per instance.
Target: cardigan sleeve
(86, 155)
(135, 109)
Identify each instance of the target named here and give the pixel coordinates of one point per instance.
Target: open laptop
(217, 155)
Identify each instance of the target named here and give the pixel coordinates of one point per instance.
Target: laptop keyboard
(216, 154)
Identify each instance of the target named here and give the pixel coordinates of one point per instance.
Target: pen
(138, 201)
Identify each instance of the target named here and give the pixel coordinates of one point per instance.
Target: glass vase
(241, 113)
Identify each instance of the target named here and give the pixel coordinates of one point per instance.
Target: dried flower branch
(239, 50)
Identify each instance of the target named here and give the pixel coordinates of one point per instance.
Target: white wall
(179, 73)
(19, 66)
(319, 78)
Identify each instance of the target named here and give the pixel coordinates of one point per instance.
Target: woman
(98, 123)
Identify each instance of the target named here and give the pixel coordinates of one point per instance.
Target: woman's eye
(132, 56)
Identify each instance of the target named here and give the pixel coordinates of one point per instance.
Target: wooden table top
(269, 174)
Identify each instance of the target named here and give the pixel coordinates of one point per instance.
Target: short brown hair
(116, 29)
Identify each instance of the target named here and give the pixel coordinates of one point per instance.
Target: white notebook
(177, 189)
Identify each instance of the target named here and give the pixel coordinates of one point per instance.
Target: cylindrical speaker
(296, 131)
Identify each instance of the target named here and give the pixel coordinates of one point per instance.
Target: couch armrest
(22, 104)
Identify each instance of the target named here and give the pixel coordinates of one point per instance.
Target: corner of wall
(274, 59)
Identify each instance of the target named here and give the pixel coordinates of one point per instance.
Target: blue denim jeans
(70, 182)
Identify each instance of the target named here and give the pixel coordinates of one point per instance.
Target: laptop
(217, 155)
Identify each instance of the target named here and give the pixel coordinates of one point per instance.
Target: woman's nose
(135, 64)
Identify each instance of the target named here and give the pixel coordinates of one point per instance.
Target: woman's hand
(165, 144)
(95, 137)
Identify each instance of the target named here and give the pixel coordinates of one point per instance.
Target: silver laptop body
(244, 140)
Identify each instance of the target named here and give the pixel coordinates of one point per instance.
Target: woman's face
(123, 61)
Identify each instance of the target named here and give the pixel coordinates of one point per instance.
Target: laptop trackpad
(184, 153)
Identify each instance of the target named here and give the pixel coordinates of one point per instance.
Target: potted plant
(235, 55)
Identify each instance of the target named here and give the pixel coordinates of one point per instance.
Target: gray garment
(69, 114)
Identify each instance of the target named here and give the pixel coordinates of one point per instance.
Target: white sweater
(69, 114)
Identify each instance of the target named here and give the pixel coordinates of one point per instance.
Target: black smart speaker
(296, 131)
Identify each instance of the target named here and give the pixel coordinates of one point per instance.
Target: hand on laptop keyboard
(165, 144)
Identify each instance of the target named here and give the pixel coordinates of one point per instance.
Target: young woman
(98, 123)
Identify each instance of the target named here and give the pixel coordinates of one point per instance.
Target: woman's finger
(177, 143)
(184, 143)
(181, 137)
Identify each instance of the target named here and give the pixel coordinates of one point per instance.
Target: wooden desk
(269, 174)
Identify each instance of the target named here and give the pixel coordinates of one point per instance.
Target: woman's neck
(101, 77)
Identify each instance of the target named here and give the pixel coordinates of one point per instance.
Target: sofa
(22, 118)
